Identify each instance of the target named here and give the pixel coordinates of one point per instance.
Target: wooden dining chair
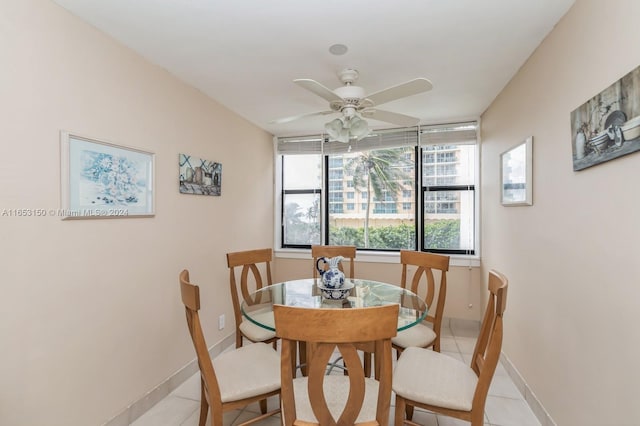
(335, 399)
(249, 279)
(427, 333)
(442, 384)
(235, 378)
(348, 252)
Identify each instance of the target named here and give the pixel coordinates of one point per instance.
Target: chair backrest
(426, 263)
(489, 344)
(324, 330)
(348, 252)
(250, 278)
(191, 300)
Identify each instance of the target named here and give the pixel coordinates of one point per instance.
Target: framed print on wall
(103, 180)
(607, 126)
(198, 176)
(516, 174)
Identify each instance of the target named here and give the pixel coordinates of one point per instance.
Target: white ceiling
(245, 53)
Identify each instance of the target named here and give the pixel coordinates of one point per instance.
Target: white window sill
(377, 257)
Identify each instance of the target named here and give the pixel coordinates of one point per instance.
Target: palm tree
(381, 172)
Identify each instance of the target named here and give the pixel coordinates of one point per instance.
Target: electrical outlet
(221, 322)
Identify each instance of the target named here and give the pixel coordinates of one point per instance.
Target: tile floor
(505, 405)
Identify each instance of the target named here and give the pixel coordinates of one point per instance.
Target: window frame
(418, 199)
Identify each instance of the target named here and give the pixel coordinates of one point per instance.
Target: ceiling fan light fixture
(359, 128)
(344, 136)
(334, 128)
(351, 127)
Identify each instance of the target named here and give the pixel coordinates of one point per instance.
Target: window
(300, 203)
(335, 185)
(448, 187)
(380, 166)
(395, 189)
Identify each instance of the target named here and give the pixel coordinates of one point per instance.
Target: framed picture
(516, 177)
(103, 180)
(607, 126)
(198, 176)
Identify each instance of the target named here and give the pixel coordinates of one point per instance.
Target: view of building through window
(382, 180)
(374, 199)
(448, 173)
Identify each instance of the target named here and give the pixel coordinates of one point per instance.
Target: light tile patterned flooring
(505, 405)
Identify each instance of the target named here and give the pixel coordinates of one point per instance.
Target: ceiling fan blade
(318, 89)
(409, 88)
(391, 117)
(297, 117)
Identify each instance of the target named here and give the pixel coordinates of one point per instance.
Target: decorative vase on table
(332, 277)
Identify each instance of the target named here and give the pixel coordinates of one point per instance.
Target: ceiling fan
(354, 104)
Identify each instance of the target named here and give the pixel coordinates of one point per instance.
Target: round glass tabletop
(305, 293)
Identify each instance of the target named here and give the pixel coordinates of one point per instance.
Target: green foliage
(383, 237)
(442, 234)
(393, 237)
(346, 236)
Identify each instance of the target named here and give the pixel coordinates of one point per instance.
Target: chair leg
(204, 406)
(302, 347)
(400, 409)
(408, 411)
(263, 406)
(238, 339)
(367, 364)
(294, 360)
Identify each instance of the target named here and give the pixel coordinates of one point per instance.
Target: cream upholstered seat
(439, 383)
(247, 371)
(453, 382)
(234, 379)
(427, 333)
(249, 280)
(326, 400)
(337, 389)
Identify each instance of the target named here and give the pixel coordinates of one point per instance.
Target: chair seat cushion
(256, 333)
(419, 335)
(247, 371)
(336, 390)
(429, 377)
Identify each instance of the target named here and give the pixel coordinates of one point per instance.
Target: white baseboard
(155, 395)
(530, 398)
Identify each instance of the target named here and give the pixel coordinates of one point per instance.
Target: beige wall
(90, 315)
(572, 315)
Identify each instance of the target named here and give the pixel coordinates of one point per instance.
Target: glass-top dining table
(258, 307)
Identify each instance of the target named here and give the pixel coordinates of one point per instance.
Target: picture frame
(199, 176)
(516, 174)
(104, 180)
(607, 126)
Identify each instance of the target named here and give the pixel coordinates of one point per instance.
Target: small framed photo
(103, 180)
(516, 177)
